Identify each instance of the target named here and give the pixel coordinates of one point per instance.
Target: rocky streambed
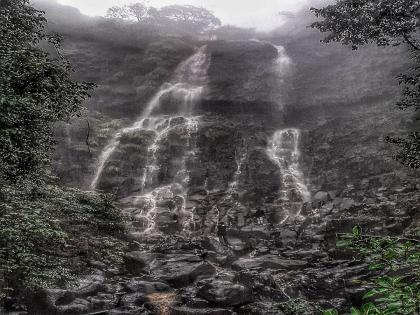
(257, 269)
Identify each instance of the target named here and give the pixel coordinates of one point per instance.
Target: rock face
(224, 293)
(181, 270)
(237, 181)
(268, 262)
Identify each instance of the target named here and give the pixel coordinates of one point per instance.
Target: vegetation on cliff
(42, 226)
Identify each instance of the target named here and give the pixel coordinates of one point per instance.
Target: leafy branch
(394, 283)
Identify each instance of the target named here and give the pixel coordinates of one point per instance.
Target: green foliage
(409, 154)
(358, 22)
(46, 233)
(41, 229)
(29, 242)
(35, 91)
(297, 307)
(388, 258)
(382, 253)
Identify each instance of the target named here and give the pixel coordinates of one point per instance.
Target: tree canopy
(185, 17)
(358, 22)
(137, 11)
(198, 18)
(35, 91)
(384, 22)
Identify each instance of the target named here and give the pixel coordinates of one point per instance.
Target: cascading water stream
(189, 80)
(240, 158)
(284, 151)
(283, 62)
(186, 88)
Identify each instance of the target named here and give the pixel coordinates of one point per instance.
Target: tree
(117, 12)
(194, 18)
(35, 92)
(358, 22)
(136, 11)
(384, 22)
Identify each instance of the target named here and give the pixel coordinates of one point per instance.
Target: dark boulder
(137, 263)
(181, 270)
(224, 293)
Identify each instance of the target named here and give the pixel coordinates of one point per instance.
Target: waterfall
(186, 88)
(240, 159)
(188, 82)
(231, 194)
(284, 151)
(283, 61)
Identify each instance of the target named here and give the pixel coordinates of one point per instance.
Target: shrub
(394, 282)
(42, 229)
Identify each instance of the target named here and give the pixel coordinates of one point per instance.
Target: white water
(186, 87)
(284, 151)
(240, 158)
(188, 83)
(283, 62)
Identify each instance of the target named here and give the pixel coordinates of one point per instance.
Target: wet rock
(260, 283)
(137, 263)
(216, 258)
(138, 285)
(103, 301)
(89, 285)
(78, 306)
(167, 221)
(98, 265)
(260, 308)
(181, 270)
(224, 293)
(320, 198)
(133, 299)
(347, 203)
(183, 310)
(196, 302)
(268, 262)
(56, 302)
(48, 300)
(73, 300)
(329, 281)
(128, 310)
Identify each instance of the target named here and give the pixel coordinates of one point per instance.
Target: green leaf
(357, 231)
(330, 312)
(343, 243)
(370, 294)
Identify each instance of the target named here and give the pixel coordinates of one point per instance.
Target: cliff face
(251, 154)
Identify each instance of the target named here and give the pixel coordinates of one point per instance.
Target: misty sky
(261, 14)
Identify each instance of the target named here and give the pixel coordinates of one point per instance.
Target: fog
(262, 14)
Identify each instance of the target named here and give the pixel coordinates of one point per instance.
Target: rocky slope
(253, 156)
